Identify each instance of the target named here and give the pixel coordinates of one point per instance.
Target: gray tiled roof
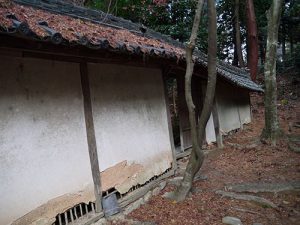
(234, 75)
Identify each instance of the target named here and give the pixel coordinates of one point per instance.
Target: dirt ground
(242, 160)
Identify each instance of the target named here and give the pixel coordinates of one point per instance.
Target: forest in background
(175, 18)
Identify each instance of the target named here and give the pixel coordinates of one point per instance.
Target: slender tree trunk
(237, 33)
(252, 40)
(212, 71)
(197, 156)
(283, 44)
(272, 130)
(235, 61)
(291, 42)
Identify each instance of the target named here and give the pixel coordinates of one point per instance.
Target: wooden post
(184, 124)
(90, 131)
(218, 133)
(240, 119)
(237, 101)
(203, 88)
(174, 166)
(249, 102)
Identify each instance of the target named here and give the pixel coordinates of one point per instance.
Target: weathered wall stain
(48, 211)
(42, 154)
(230, 102)
(43, 149)
(129, 103)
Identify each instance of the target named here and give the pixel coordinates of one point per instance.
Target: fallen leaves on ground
(232, 165)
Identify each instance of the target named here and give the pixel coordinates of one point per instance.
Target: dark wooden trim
(90, 131)
(8, 52)
(23, 53)
(164, 76)
(79, 54)
(180, 71)
(250, 106)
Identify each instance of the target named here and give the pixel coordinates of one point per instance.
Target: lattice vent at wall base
(74, 214)
(82, 211)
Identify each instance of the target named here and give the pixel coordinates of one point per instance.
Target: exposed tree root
(294, 143)
(297, 124)
(265, 187)
(246, 211)
(268, 136)
(179, 195)
(261, 201)
(185, 185)
(294, 148)
(245, 146)
(294, 138)
(250, 211)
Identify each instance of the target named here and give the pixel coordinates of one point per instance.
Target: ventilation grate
(82, 210)
(73, 214)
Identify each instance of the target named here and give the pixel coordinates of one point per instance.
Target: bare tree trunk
(272, 130)
(235, 61)
(291, 42)
(283, 45)
(252, 40)
(212, 72)
(238, 44)
(197, 156)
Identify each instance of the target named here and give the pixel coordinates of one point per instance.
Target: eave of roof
(42, 20)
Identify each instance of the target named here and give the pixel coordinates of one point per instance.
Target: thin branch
(107, 12)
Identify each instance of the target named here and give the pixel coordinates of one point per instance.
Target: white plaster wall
(230, 102)
(43, 147)
(130, 116)
(244, 107)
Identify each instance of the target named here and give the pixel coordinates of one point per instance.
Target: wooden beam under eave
(79, 54)
(91, 138)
